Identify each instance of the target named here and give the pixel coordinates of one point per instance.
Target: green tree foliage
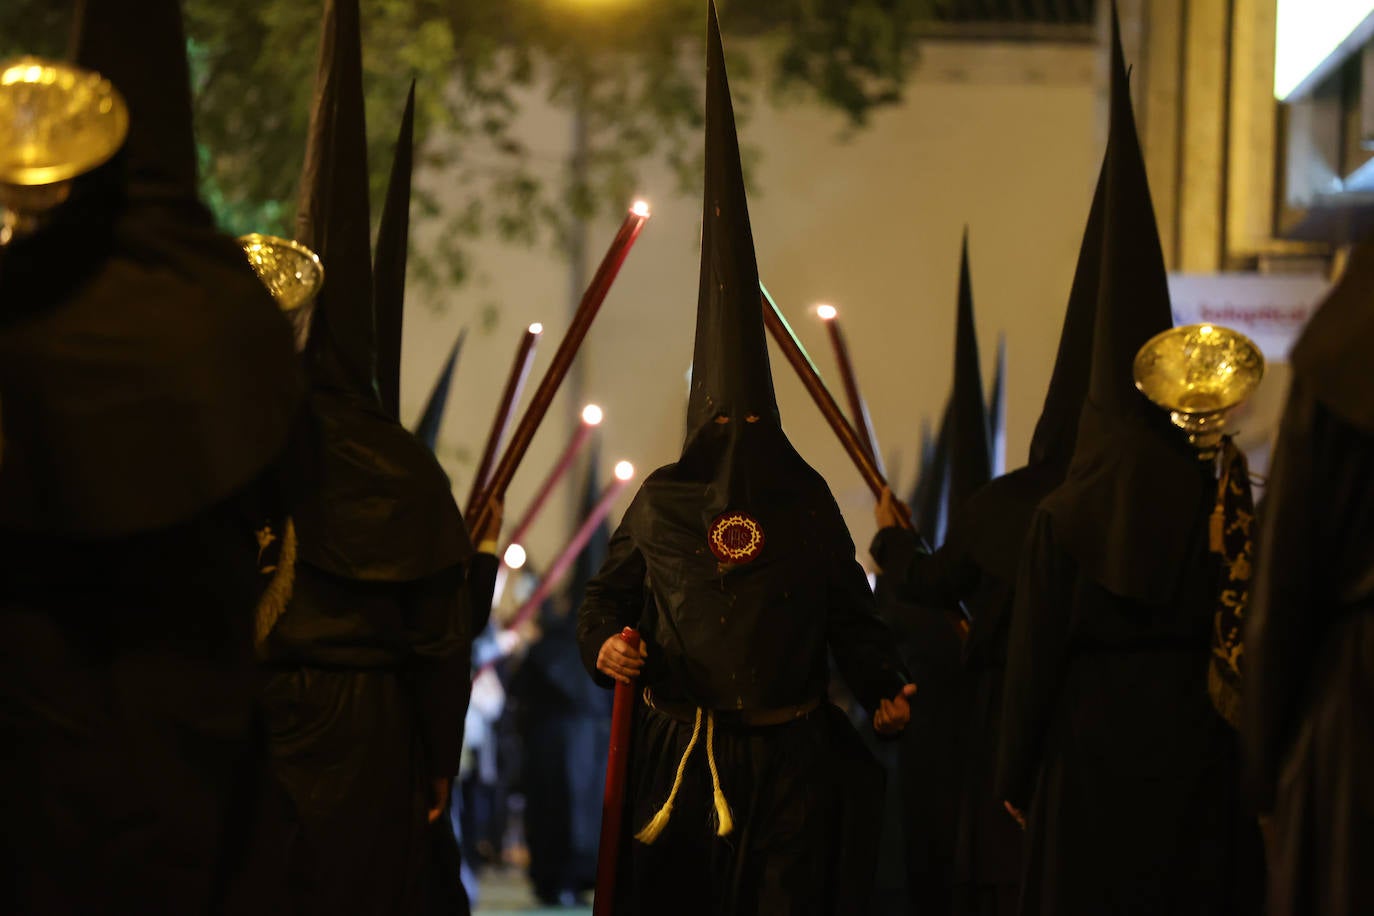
(632, 68)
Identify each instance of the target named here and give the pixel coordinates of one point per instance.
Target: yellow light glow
(624, 470)
(640, 208)
(592, 415)
(826, 312)
(515, 556)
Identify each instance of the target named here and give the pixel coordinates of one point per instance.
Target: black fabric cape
(1310, 633)
(158, 384)
(147, 387)
(1111, 703)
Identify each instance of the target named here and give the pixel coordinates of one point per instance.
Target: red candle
(613, 802)
(624, 471)
(577, 331)
(858, 409)
(505, 409)
(591, 418)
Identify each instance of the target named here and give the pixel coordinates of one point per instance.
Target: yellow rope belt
(725, 823)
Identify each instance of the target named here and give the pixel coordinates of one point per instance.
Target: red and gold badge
(735, 538)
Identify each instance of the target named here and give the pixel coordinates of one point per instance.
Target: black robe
(919, 783)
(1309, 675)
(134, 760)
(978, 867)
(780, 781)
(365, 691)
(147, 389)
(1110, 743)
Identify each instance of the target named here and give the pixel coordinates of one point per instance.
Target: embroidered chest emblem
(735, 538)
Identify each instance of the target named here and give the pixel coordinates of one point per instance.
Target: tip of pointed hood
(334, 216)
(144, 56)
(730, 367)
(1133, 295)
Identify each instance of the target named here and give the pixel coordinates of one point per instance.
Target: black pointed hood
(333, 217)
(925, 460)
(935, 506)
(997, 410)
(730, 370)
(970, 459)
(150, 375)
(1133, 290)
(432, 418)
(1130, 508)
(931, 507)
(143, 53)
(389, 266)
(731, 532)
(1332, 356)
(384, 511)
(1057, 429)
(995, 521)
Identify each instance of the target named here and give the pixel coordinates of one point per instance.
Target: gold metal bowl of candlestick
(1200, 374)
(291, 272)
(57, 122)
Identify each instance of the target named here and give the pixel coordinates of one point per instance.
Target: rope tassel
(724, 822)
(650, 831)
(659, 822)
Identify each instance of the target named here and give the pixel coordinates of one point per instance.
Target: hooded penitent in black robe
(977, 566)
(1110, 742)
(1309, 672)
(939, 708)
(368, 664)
(565, 727)
(148, 386)
(736, 627)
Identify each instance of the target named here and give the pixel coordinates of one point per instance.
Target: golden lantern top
(291, 272)
(57, 121)
(1200, 373)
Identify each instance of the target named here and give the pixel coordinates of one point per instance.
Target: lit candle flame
(515, 556)
(536, 328)
(624, 470)
(826, 312)
(640, 208)
(592, 415)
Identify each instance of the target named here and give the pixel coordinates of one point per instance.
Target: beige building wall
(1002, 138)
